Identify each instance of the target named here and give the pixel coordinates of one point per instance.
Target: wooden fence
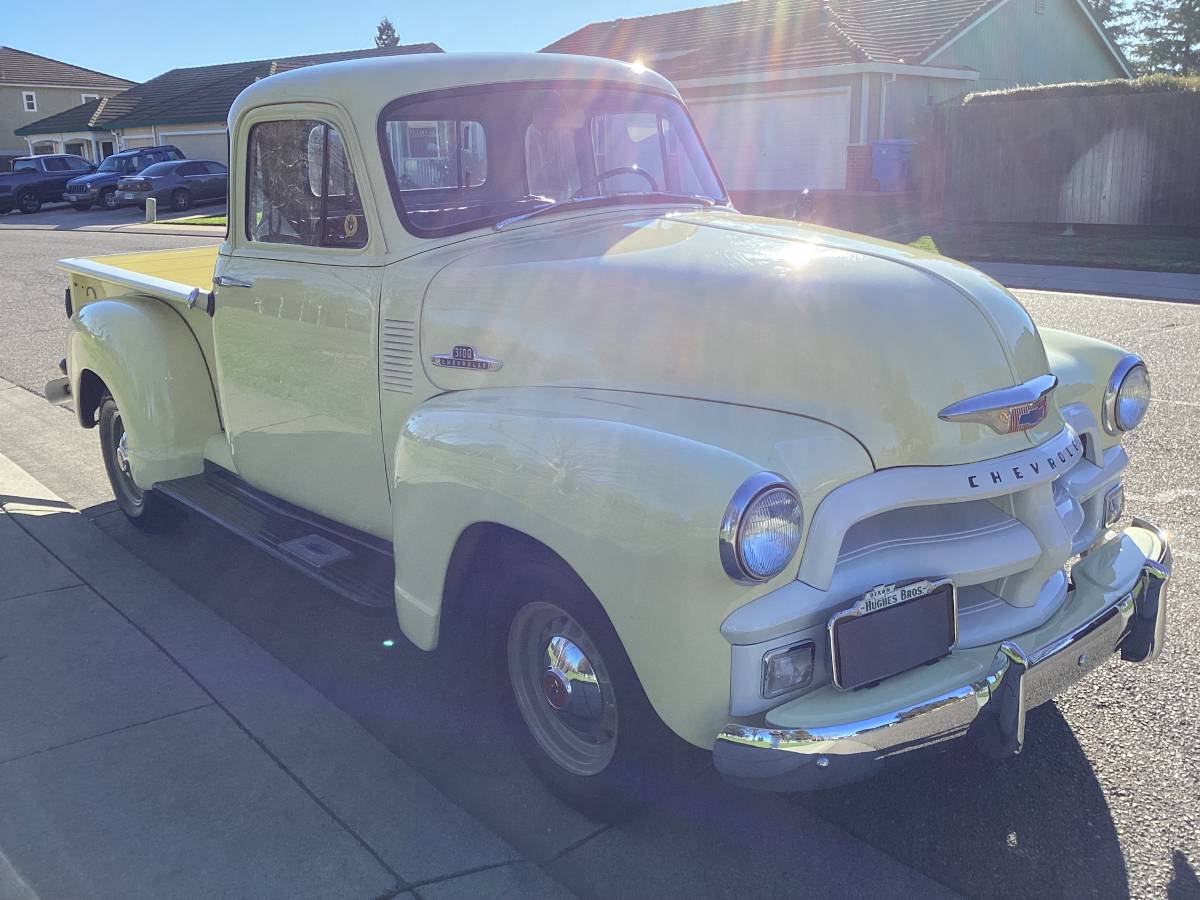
(1120, 159)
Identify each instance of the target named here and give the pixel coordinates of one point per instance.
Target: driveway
(61, 217)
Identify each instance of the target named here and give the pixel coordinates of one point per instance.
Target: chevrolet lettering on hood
(1009, 474)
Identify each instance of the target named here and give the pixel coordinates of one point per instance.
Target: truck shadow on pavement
(1036, 825)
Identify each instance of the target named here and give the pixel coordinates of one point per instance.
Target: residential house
(185, 107)
(33, 87)
(790, 93)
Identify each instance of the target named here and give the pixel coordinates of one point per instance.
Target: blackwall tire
(29, 203)
(145, 509)
(631, 751)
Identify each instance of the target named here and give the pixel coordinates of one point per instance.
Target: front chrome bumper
(990, 708)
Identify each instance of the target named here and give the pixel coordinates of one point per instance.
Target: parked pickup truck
(35, 180)
(486, 342)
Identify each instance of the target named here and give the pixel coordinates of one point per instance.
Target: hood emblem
(465, 357)
(1007, 410)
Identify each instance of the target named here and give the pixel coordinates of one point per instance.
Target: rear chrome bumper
(991, 708)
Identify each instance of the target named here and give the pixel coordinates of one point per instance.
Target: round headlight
(761, 528)
(1127, 397)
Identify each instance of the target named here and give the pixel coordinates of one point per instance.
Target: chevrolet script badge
(464, 357)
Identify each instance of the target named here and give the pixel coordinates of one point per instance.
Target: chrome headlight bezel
(1109, 414)
(751, 491)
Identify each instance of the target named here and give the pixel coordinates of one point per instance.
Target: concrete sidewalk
(150, 749)
(1080, 280)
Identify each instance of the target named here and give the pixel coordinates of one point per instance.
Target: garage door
(131, 143)
(200, 146)
(779, 141)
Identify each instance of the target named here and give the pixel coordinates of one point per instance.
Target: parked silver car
(177, 184)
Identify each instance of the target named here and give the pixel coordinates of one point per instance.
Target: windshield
(460, 161)
(25, 165)
(122, 164)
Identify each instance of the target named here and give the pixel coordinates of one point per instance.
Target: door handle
(232, 281)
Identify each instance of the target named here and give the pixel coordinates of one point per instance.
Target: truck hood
(874, 338)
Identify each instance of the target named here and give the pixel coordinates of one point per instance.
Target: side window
(191, 169)
(56, 164)
(172, 153)
(79, 165)
(300, 187)
(216, 169)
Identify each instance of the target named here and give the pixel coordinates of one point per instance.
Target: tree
(385, 35)
(1168, 36)
(1118, 19)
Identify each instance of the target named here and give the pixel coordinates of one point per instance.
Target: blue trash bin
(889, 163)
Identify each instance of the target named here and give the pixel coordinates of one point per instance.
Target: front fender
(629, 489)
(152, 365)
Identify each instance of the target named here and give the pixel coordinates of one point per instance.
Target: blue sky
(139, 39)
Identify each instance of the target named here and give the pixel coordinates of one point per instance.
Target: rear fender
(149, 360)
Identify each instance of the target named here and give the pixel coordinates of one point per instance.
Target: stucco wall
(49, 101)
(1016, 45)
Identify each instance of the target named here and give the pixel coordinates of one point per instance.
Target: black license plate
(870, 641)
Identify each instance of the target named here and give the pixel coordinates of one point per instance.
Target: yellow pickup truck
(486, 341)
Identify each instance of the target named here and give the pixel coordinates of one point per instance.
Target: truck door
(296, 321)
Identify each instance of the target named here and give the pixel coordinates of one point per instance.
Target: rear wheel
(145, 509)
(28, 202)
(108, 199)
(180, 199)
(571, 696)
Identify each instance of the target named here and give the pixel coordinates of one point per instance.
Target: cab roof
(365, 86)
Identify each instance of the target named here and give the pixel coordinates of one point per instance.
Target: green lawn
(1112, 247)
(197, 220)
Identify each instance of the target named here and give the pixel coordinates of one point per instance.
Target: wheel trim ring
(570, 748)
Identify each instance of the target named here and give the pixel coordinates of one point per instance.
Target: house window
(84, 98)
(1039, 7)
(29, 101)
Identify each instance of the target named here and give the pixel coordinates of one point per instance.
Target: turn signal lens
(787, 669)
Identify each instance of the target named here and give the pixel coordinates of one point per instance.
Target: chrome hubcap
(123, 453)
(562, 688)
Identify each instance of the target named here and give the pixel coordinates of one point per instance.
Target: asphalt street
(1104, 802)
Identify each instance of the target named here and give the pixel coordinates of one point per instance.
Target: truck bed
(166, 274)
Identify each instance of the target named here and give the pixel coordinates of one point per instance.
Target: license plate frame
(862, 645)
(128, 195)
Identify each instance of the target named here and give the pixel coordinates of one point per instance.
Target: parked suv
(35, 180)
(101, 185)
(178, 183)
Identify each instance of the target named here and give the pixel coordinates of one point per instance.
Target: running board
(357, 565)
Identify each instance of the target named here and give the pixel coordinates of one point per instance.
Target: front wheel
(571, 696)
(108, 199)
(146, 509)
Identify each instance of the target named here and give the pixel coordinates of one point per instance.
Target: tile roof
(197, 94)
(17, 67)
(752, 35)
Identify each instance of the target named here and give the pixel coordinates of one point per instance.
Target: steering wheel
(619, 170)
